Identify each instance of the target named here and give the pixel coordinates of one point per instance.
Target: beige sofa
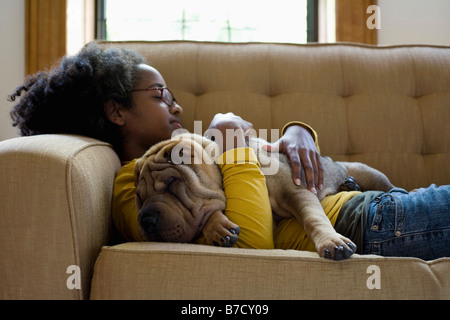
(385, 106)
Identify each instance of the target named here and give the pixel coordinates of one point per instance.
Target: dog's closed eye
(163, 184)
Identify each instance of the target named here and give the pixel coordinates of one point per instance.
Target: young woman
(115, 96)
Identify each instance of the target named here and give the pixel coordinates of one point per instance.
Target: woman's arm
(245, 189)
(248, 203)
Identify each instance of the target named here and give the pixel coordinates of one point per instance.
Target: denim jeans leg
(406, 224)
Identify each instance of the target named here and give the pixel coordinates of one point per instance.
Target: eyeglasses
(166, 95)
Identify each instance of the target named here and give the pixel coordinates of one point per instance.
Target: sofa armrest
(56, 194)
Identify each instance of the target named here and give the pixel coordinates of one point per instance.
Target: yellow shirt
(248, 204)
(124, 213)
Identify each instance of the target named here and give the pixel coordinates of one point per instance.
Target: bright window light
(207, 20)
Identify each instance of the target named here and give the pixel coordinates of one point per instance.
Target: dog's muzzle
(165, 223)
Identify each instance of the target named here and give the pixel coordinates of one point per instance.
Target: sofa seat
(188, 271)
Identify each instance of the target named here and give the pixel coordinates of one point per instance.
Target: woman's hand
(237, 129)
(298, 144)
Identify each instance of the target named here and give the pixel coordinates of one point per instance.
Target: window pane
(207, 20)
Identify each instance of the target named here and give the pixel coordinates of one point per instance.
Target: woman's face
(149, 120)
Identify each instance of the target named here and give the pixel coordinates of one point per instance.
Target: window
(290, 21)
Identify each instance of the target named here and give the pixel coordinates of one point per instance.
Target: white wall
(414, 22)
(12, 59)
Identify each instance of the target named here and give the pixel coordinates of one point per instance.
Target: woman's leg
(415, 224)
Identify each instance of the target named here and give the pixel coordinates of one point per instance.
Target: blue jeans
(415, 224)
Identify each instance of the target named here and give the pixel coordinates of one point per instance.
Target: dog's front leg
(220, 231)
(329, 244)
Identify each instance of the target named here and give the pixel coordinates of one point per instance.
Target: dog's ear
(141, 190)
(137, 172)
(138, 166)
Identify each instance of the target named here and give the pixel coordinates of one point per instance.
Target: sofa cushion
(187, 271)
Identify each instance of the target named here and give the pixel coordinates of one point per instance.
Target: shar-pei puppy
(179, 194)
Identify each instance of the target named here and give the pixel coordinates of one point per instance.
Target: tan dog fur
(183, 201)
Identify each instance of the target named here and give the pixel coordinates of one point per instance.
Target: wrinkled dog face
(178, 186)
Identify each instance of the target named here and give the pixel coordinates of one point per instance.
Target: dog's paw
(227, 240)
(336, 247)
(220, 231)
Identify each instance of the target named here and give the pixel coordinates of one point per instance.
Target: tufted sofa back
(386, 106)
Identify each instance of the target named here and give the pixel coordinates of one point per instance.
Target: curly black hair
(70, 97)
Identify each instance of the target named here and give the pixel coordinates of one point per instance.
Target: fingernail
(352, 246)
(297, 182)
(313, 190)
(321, 187)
